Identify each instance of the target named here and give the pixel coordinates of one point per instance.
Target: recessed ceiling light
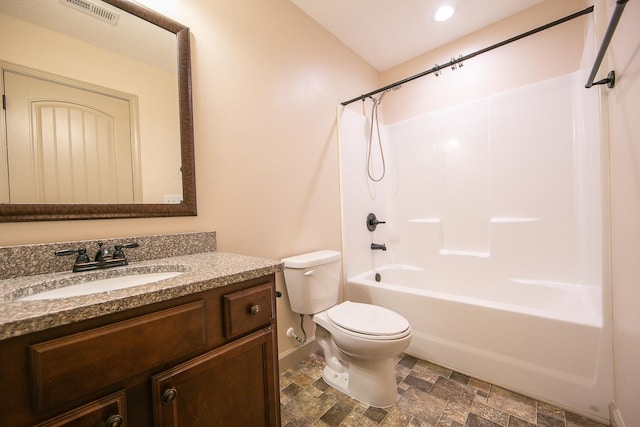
(444, 12)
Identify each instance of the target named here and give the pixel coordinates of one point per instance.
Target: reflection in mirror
(98, 121)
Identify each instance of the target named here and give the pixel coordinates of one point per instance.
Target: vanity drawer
(109, 411)
(247, 310)
(77, 365)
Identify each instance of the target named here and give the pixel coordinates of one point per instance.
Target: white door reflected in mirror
(69, 144)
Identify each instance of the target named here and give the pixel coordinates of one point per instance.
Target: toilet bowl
(365, 330)
(360, 360)
(359, 341)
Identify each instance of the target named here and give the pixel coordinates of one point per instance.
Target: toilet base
(371, 382)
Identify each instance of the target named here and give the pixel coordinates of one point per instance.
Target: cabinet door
(107, 412)
(235, 385)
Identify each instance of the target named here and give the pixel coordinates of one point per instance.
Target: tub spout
(378, 247)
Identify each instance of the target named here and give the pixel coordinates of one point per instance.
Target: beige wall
(266, 83)
(624, 130)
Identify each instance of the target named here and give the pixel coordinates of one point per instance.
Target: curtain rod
(613, 23)
(455, 62)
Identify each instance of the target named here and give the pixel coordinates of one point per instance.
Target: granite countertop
(200, 272)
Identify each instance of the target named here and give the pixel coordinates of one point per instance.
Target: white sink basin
(101, 285)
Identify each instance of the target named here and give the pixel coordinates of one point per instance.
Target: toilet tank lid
(311, 259)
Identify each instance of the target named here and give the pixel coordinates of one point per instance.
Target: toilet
(359, 341)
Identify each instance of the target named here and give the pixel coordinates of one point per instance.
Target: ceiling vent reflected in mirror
(93, 10)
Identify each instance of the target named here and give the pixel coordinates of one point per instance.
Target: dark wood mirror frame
(56, 212)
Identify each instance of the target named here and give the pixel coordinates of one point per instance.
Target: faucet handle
(65, 252)
(119, 254)
(372, 222)
(82, 254)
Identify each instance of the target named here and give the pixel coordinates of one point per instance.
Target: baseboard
(615, 417)
(292, 356)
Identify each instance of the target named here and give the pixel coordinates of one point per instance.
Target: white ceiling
(131, 36)
(386, 33)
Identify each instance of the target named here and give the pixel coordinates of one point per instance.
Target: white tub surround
(496, 234)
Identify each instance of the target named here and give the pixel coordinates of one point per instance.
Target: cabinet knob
(169, 395)
(114, 421)
(255, 309)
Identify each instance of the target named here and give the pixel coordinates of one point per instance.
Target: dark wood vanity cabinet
(207, 359)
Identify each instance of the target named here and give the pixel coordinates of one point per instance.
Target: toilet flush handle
(309, 273)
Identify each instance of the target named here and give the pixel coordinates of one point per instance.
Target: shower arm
(455, 62)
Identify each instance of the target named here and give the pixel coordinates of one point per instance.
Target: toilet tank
(312, 281)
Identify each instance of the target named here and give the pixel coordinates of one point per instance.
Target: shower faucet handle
(372, 222)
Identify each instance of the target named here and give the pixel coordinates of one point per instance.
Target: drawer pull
(255, 309)
(169, 395)
(114, 421)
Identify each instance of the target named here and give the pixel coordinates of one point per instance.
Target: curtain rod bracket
(610, 81)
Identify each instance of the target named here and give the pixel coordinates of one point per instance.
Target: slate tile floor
(430, 395)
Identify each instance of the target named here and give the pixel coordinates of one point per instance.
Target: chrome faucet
(103, 259)
(378, 247)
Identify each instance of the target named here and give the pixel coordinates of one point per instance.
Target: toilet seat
(368, 321)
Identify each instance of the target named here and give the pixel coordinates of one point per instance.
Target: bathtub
(542, 339)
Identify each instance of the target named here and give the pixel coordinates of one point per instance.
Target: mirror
(148, 128)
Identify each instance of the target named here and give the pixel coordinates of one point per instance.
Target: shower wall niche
(504, 188)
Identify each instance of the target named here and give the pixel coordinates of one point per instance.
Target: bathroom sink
(101, 285)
